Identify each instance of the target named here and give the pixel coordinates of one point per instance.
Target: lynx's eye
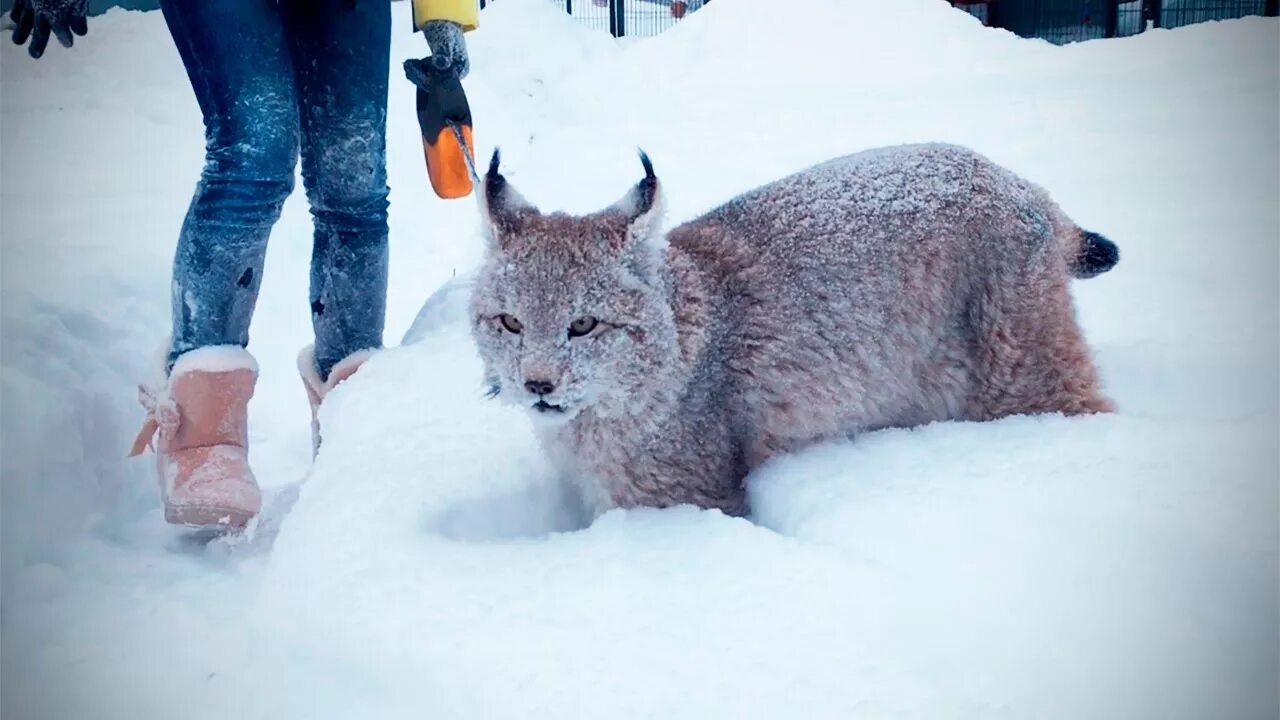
(582, 326)
(510, 323)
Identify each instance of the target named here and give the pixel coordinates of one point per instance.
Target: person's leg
(341, 55)
(241, 71)
(197, 417)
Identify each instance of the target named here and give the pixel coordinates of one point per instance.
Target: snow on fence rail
(1058, 21)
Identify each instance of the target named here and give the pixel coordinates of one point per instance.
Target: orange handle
(446, 164)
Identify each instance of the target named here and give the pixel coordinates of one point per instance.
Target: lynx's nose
(539, 387)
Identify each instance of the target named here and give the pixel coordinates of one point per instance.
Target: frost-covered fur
(892, 287)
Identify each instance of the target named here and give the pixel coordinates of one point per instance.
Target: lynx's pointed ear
(504, 209)
(642, 207)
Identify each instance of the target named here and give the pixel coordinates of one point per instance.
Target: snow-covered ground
(1105, 567)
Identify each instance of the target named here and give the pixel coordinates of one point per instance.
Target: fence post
(1151, 12)
(994, 16)
(1113, 18)
(617, 18)
(568, 7)
(1272, 8)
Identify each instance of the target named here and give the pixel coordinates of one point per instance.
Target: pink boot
(317, 389)
(198, 420)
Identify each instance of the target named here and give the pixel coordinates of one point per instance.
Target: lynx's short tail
(1095, 255)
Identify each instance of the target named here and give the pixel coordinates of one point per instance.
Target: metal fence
(1058, 21)
(1064, 21)
(629, 18)
(633, 18)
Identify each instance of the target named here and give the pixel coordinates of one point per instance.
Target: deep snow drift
(1121, 566)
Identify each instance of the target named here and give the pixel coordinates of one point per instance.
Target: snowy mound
(427, 566)
(1043, 567)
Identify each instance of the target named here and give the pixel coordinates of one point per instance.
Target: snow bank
(1034, 567)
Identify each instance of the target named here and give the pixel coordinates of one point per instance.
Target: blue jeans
(273, 77)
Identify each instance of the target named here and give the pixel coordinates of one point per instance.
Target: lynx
(889, 288)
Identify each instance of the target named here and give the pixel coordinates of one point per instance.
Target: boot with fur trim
(197, 423)
(317, 389)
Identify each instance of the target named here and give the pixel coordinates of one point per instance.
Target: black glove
(441, 101)
(448, 46)
(36, 18)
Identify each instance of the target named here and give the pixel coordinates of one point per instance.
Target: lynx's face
(570, 313)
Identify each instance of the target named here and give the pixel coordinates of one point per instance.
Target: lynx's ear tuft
(642, 207)
(504, 209)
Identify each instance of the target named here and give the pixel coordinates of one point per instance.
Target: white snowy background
(1105, 567)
